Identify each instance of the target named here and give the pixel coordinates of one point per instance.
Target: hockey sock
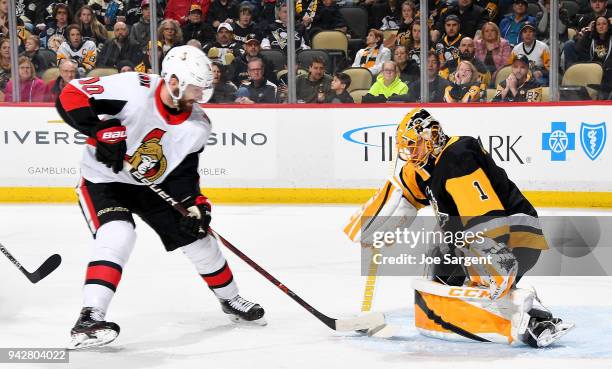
(112, 248)
(212, 267)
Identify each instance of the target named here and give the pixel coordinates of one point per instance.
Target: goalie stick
(362, 322)
(44, 270)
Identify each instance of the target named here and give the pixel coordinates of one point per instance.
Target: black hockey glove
(110, 146)
(196, 224)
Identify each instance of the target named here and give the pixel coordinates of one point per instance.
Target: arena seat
(276, 57)
(336, 45)
(583, 74)
(101, 72)
(304, 58)
(50, 74)
(502, 73)
(357, 95)
(361, 78)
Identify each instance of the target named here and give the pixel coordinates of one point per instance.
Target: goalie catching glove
(110, 144)
(197, 222)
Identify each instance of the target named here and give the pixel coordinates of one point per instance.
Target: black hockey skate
(543, 329)
(91, 330)
(240, 310)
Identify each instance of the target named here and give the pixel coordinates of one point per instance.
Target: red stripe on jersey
(72, 98)
(89, 203)
(218, 278)
(104, 273)
(170, 118)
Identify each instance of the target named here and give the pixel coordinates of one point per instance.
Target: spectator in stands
(61, 20)
(32, 88)
(244, 25)
(124, 66)
(196, 28)
(519, 86)
(4, 25)
(409, 69)
(581, 23)
(437, 84)
(305, 11)
(596, 42)
(413, 46)
(119, 48)
(536, 51)
(89, 26)
(466, 85)
(328, 18)
(314, 86)
(169, 34)
(512, 24)
(5, 63)
(339, 94)
(257, 90)
(543, 22)
(470, 16)
(139, 32)
(275, 36)
(223, 45)
(195, 43)
(466, 53)
(448, 47)
(225, 91)
(179, 9)
(408, 11)
(222, 11)
(388, 83)
(238, 70)
(374, 54)
(67, 72)
(79, 49)
(32, 51)
(491, 49)
(108, 12)
(392, 16)
(145, 66)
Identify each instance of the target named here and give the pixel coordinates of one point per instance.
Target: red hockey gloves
(196, 224)
(110, 146)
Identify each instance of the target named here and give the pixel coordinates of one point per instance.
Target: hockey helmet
(419, 129)
(192, 69)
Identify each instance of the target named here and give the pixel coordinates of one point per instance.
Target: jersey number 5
(90, 88)
(483, 195)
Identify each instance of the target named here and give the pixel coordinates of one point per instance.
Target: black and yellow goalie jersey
(469, 192)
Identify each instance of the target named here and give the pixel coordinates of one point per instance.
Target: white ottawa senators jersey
(157, 141)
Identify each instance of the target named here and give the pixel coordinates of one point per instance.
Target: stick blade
(361, 322)
(45, 269)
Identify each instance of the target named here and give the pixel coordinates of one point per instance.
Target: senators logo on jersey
(149, 159)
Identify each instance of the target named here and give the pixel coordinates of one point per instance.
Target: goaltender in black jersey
(469, 193)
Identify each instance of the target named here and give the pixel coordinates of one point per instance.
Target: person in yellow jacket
(388, 82)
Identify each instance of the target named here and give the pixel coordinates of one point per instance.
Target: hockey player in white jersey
(157, 126)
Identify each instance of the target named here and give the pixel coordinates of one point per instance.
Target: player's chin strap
(175, 99)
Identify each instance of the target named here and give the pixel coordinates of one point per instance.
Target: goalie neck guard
(419, 137)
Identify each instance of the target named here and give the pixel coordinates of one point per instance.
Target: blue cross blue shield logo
(593, 139)
(558, 141)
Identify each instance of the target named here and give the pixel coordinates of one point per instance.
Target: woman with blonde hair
(91, 28)
(170, 35)
(466, 87)
(492, 50)
(32, 88)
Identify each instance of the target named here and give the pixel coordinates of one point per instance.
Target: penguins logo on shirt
(149, 159)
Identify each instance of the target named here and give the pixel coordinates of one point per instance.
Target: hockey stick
(362, 322)
(44, 270)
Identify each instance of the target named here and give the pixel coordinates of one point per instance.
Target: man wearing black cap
(139, 32)
(520, 85)
(511, 25)
(471, 17)
(238, 70)
(536, 51)
(196, 29)
(448, 47)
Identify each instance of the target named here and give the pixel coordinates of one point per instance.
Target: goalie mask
(419, 137)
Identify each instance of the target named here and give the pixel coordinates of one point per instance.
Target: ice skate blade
(238, 320)
(82, 341)
(548, 339)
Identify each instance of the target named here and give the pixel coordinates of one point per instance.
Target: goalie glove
(110, 144)
(197, 222)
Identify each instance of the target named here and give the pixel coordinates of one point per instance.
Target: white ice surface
(169, 318)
